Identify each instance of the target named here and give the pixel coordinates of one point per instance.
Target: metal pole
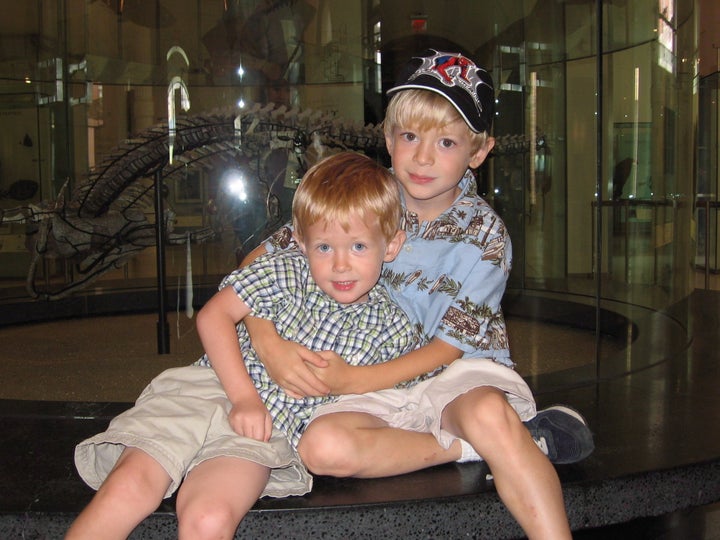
(163, 328)
(599, 183)
(707, 243)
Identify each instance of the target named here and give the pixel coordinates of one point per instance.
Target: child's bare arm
(300, 376)
(343, 378)
(216, 327)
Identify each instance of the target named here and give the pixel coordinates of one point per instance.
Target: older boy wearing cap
(450, 277)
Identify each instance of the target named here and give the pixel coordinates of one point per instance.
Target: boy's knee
(328, 448)
(491, 411)
(131, 484)
(201, 521)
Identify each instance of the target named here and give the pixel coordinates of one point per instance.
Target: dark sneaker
(562, 434)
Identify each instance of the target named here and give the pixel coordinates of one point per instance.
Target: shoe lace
(542, 445)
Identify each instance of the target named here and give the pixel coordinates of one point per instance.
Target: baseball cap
(468, 87)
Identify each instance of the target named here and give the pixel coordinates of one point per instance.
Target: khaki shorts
(420, 407)
(180, 420)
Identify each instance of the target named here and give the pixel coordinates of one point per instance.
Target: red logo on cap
(453, 70)
(442, 64)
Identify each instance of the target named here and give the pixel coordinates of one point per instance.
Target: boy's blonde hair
(345, 185)
(422, 109)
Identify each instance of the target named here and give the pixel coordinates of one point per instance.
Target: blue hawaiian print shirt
(451, 273)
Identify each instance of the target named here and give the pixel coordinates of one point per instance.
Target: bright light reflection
(236, 185)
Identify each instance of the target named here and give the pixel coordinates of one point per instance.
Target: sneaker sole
(567, 410)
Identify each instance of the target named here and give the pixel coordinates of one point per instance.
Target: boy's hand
(250, 418)
(290, 368)
(339, 376)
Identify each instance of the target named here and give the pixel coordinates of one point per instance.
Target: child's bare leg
(132, 491)
(524, 478)
(361, 445)
(216, 495)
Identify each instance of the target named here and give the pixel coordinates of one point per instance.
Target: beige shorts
(420, 407)
(180, 419)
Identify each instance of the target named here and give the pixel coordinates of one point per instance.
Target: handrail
(640, 202)
(700, 202)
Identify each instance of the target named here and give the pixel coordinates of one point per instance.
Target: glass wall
(707, 205)
(220, 105)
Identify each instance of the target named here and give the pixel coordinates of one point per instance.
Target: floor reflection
(113, 358)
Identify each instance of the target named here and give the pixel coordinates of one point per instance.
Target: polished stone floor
(112, 358)
(655, 472)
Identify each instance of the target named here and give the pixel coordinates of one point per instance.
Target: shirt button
(408, 249)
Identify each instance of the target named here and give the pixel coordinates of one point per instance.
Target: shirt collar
(457, 212)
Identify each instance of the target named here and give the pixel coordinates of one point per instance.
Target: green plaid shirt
(278, 287)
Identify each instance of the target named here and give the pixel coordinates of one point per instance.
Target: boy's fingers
(313, 358)
(306, 386)
(292, 394)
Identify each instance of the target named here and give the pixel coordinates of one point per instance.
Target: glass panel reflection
(601, 209)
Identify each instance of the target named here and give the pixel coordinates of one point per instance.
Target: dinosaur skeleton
(101, 224)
